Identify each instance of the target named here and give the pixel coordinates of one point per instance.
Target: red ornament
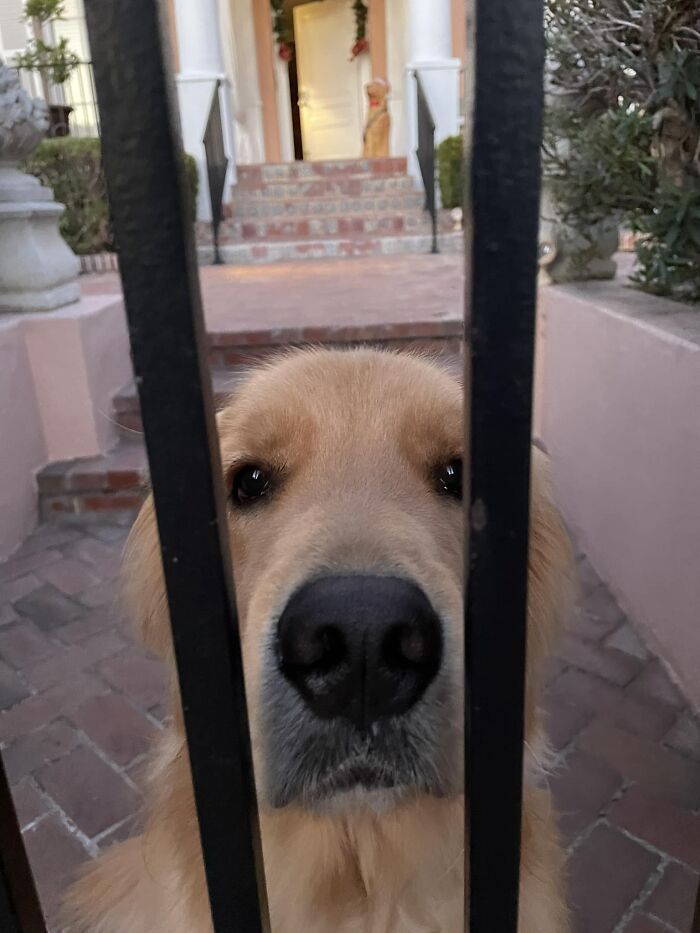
(361, 46)
(286, 52)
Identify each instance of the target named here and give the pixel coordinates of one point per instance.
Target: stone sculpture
(376, 135)
(38, 271)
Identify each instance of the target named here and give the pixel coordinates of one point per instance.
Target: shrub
(606, 168)
(192, 176)
(622, 138)
(450, 157)
(72, 167)
(669, 247)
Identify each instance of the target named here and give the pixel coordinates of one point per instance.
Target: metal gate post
(19, 905)
(502, 203)
(144, 167)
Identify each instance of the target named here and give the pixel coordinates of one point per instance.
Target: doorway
(331, 87)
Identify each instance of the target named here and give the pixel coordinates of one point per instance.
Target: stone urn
(38, 271)
(565, 255)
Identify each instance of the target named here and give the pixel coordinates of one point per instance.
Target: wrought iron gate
(425, 154)
(143, 165)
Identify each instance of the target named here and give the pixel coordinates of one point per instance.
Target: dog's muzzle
(354, 700)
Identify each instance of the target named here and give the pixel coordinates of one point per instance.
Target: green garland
(360, 10)
(361, 41)
(283, 29)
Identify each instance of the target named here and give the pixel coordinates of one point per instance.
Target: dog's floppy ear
(551, 581)
(144, 584)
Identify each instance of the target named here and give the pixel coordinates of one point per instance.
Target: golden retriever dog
(344, 473)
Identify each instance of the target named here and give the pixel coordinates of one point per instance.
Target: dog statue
(376, 135)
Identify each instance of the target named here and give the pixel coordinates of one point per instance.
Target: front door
(330, 86)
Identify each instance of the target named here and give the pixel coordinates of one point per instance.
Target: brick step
(115, 482)
(315, 187)
(233, 353)
(328, 205)
(293, 228)
(260, 174)
(127, 409)
(262, 252)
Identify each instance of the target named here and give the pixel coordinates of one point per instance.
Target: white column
(201, 66)
(284, 110)
(429, 29)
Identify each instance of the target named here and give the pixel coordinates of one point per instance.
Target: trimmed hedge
(450, 159)
(192, 176)
(72, 167)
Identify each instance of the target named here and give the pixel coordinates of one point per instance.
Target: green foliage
(622, 136)
(282, 23)
(72, 167)
(679, 79)
(192, 176)
(360, 12)
(43, 10)
(55, 62)
(604, 168)
(669, 248)
(450, 158)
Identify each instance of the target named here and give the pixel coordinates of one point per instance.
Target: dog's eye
(250, 484)
(449, 479)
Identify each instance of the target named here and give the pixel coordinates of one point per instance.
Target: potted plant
(54, 62)
(622, 141)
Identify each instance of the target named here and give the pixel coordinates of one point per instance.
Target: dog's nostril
(307, 648)
(412, 644)
(359, 647)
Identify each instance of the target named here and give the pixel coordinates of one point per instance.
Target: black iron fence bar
(425, 153)
(144, 168)
(19, 905)
(503, 203)
(695, 927)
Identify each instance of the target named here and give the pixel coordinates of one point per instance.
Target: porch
(292, 85)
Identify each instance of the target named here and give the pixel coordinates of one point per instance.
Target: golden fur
(354, 430)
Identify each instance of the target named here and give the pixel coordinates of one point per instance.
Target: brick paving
(80, 704)
(289, 302)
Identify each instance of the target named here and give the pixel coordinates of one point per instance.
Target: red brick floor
(292, 297)
(81, 703)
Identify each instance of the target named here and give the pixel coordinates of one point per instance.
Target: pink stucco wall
(619, 410)
(79, 357)
(22, 444)
(58, 373)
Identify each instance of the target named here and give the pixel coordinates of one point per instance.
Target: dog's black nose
(360, 647)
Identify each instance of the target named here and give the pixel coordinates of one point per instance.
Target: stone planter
(59, 120)
(566, 255)
(38, 272)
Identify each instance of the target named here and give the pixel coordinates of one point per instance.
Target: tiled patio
(81, 702)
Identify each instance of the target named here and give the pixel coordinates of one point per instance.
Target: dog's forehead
(310, 396)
